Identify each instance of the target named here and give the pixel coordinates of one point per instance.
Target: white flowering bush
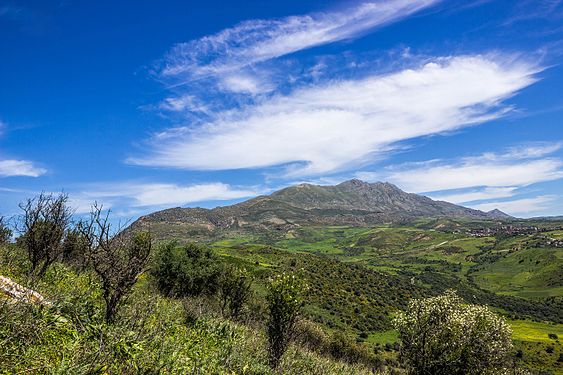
(444, 335)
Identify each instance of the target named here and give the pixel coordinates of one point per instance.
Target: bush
(311, 336)
(442, 335)
(284, 305)
(187, 270)
(75, 249)
(344, 348)
(234, 291)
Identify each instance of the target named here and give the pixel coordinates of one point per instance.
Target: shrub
(186, 270)
(284, 306)
(311, 336)
(344, 348)
(75, 249)
(442, 335)
(234, 291)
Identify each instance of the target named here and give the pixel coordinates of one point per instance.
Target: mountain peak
(498, 214)
(353, 182)
(356, 182)
(351, 202)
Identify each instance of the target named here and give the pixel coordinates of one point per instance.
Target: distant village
(520, 230)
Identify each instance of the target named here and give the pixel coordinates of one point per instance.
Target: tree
(75, 249)
(186, 270)
(118, 258)
(234, 291)
(443, 335)
(284, 305)
(43, 224)
(5, 231)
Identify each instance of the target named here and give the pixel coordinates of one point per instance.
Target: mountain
(498, 214)
(352, 202)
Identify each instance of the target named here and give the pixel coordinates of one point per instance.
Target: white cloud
(523, 207)
(529, 151)
(9, 168)
(492, 170)
(183, 103)
(476, 195)
(341, 124)
(167, 194)
(256, 41)
(134, 195)
(246, 83)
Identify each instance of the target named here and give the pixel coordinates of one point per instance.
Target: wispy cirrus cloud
(255, 41)
(477, 194)
(518, 167)
(251, 59)
(341, 124)
(527, 10)
(139, 195)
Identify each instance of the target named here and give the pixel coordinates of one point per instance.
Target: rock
(19, 293)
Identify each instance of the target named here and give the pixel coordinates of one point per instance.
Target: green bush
(284, 304)
(186, 270)
(234, 291)
(75, 249)
(345, 349)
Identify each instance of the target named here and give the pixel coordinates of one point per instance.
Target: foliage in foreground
(151, 334)
(443, 335)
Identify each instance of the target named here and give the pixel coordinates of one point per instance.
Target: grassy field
(534, 346)
(525, 330)
(386, 337)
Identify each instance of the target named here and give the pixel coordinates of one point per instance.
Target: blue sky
(149, 105)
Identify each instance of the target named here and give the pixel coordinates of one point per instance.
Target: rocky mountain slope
(352, 202)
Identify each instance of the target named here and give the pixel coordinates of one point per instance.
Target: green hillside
(529, 273)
